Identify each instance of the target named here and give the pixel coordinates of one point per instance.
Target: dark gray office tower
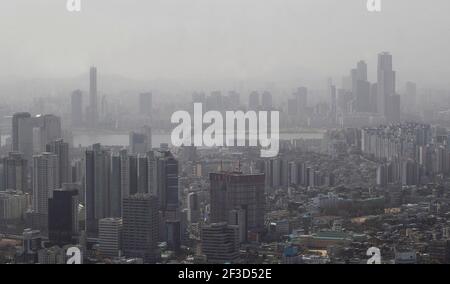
(133, 170)
(385, 84)
(167, 181)
(15, 172)
(141, 227)
(22, 134)
(93, 108)
(61, 149)
(238, 191)
(361, 88)
(115, 189)
(124, 173)
(152, 173)
(62, 216)
(173, 232)
(145, 104)
(97, 187)
(76, 104)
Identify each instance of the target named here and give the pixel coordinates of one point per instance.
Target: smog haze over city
(224, 132)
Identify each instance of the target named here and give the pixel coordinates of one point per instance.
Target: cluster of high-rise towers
(126, 201)
(358, 95)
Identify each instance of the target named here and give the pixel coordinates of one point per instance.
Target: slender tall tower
(385, 82)
(97, 187)
(93, 95)
(45, 179)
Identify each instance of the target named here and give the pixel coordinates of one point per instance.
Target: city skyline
(224, 132)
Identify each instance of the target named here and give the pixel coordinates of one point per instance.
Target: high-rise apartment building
(15, 172)
(45, 179)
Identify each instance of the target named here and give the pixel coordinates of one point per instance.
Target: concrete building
(238, 191)
(110, 237)
(140, 227)
(220, 243)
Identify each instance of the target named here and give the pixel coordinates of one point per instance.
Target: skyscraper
(76, 103)
(152, 173)
(63, 216)
(361, 88)
(115, 187)
(45, 179)
(15, 172)
(49, 129)
(167, 181)
(22, 134)
(193, 207)
(143, 174)
(235, 191)
(385, 83)
(133, 171)
(61, 149)
(93, 108)
(97, 187)
(124, 173)
(141, 227)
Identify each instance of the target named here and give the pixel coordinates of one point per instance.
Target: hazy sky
(216, 39)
